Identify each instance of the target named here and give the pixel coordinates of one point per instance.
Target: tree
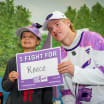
(82, 19)
(22, 16)
(11, 18)
(97, 18)
(71, 14)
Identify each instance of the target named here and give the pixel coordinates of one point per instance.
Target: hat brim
(23, 29)
(45, 24)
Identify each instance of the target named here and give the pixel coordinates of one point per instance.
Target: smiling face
(29, 41)
(59, 29)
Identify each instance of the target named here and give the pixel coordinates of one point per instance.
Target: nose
(27, 37)
(54, 30)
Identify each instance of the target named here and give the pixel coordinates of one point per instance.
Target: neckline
(76, 45)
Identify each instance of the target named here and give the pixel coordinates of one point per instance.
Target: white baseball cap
(51, 16)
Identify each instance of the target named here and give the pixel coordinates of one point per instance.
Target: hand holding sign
(13, 76)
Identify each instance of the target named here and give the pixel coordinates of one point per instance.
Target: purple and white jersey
(87, 84)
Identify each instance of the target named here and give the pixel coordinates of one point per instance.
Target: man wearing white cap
(82, 66)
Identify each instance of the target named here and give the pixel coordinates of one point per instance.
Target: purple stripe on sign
(101, 69)
(66, 92)
(52, 81)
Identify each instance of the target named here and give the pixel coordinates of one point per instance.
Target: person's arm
(88, 76)
(92, 76)
(83, 76)
(7, 84)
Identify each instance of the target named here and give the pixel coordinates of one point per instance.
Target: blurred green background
(13, 17)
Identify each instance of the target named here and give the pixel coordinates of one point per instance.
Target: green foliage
(42, 42)
(97, 18)
(88, 18)
(11, 18)
(22, 16)
(82, 19)
(71, 13)
(55, 43)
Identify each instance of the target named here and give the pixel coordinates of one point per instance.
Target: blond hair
(71, 25)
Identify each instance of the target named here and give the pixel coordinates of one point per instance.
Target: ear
(68, 22)
(38, 42)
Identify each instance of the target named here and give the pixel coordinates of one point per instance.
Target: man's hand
(66, 67)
